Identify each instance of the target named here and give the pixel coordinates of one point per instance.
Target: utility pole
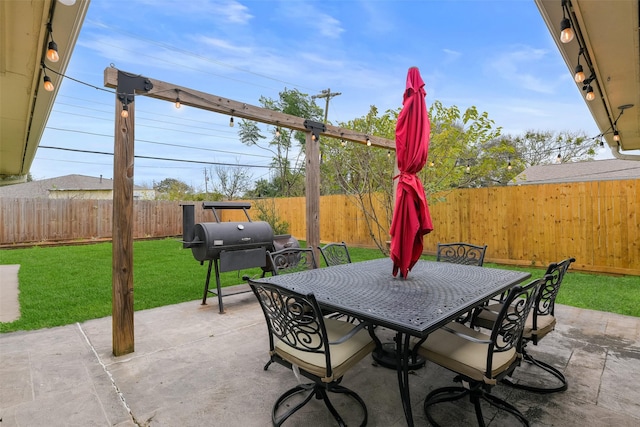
(327, 94)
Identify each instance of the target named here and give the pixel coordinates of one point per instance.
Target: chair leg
(475, 393)
(542, 365)
(444, 394)
(501, 404)
(319, 392)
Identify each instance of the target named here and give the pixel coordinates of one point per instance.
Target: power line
(161, 143)
(159, 158)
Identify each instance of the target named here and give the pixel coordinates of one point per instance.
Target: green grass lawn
(68, 284)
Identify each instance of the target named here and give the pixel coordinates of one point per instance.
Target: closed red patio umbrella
(411, 218)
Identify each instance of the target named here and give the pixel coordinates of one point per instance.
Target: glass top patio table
(433, 294)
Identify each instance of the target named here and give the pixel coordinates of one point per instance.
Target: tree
(545, 147)
(233, 181)
(172, 189)
(364, 173)
(286, 147)
(461, 153)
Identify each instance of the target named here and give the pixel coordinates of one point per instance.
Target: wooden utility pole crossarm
(205, 101)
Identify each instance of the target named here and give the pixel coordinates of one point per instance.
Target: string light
(431, 164)
(566, 32)
(368, 142)
(178, 105)
(590, 95)
(468, 169)
(559, 158)
(616, 136)
(509, 165)
(343, 142)
(231, 121)
(48, 86)
(579, 73)
(47, 83)
(277, 132)
(52, 51)
(125, 111)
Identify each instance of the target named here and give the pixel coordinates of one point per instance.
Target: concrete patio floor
(194, 367)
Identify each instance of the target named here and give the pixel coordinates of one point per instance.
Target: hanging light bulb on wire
(566, 32)
(52, 48)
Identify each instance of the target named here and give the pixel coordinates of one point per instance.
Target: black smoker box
(230, 246)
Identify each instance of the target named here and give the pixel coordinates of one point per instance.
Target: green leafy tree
(364, 173)
(461, 153)
(173, 189)
(267, 212)
(286, 147)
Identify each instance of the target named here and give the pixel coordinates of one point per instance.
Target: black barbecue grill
(230, 246)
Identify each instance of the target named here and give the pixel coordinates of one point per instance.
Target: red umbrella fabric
(411, 218)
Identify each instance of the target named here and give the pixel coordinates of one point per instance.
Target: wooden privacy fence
(595, 222)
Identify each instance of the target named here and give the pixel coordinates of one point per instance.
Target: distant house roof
(596, 170)
(42, 188)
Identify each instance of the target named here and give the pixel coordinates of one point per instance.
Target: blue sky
(495, 55)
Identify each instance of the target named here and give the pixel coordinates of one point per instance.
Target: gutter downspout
(618, 155)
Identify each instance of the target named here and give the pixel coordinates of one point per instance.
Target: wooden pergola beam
(206, 101)
(122, 262)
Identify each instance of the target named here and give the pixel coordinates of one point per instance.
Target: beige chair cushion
(463, 356)
(343, 356)
(546, 323)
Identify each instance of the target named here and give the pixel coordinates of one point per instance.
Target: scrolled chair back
(290, 260)
(545, 304)
(510, 323)
(461, 253)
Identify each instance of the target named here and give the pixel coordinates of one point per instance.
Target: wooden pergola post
(312, 183)
(128, 84)
(122, 229)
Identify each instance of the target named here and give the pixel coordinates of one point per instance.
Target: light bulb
(431, 164)
(509, 166)
(48, 85)
(231, 121)
(590, 95)
(277, 132)
(368, 142)
(559, 158)
(616, 136)
(124, 113)
(178, 105)
(52, 53)
(468, 168)
(579, 76)
(566, 33)
(343, 142)
(68, 2)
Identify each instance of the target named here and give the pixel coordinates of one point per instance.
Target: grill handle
(214, 206)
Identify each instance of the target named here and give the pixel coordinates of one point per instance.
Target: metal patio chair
(335, 254)
(540, 322)
(461, 253)
(289, 260)
(317, 348)
(478, 359)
